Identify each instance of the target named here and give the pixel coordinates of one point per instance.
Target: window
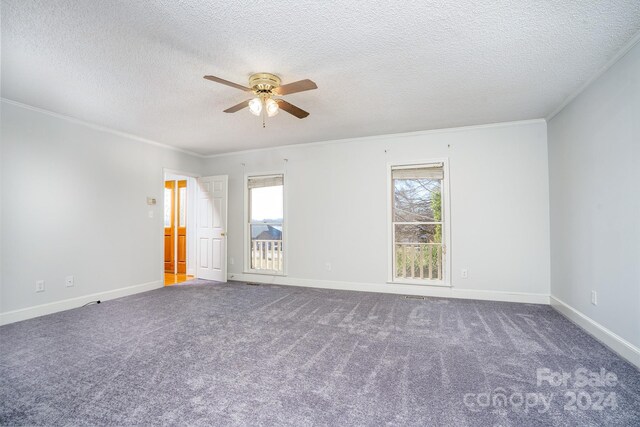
(168, 203)
(182, 203)
(265, 223)
(418, 224)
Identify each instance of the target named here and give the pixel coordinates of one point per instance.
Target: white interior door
(211, 228)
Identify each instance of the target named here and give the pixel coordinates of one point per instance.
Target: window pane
(266, 247)
(418, 251)
(417, 200)
(266, 232)
(266, 212)
(167, 207)
(418, 261)
(266, 204)
(418, 233)
(182, 202)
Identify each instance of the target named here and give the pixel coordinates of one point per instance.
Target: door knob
(223, 234)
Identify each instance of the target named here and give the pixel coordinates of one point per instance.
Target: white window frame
(446, 280)
(247, 224)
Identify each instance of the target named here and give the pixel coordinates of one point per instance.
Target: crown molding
(383, 136)
(99, 127)
(254, 150)
(617, 57)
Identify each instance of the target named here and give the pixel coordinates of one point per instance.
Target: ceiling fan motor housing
(263, 82)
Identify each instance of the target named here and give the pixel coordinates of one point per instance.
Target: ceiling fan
(266, 88)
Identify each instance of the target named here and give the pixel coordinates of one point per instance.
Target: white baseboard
(396, 288)
(615, 342)
(67, 304)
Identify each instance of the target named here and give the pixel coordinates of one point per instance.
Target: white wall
(337, 205)
(594, 162)
(74, 203)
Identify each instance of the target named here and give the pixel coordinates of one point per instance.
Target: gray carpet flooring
(232, 354)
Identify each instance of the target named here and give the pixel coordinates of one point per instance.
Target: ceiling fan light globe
(255, 106)
(272, 107)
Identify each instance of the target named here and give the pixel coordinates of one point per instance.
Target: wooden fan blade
(299, 86)
(238, 107)
(227, 82)
(292, 109)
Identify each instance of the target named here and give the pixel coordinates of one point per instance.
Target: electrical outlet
(232, 261)
(594, 298)
(465, 273)
(40, 286)
(327, 266)
(68, 281)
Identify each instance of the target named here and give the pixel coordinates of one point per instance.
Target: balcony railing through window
(267, 255)
(421, 261)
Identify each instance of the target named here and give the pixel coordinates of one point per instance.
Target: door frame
(193, 175)
(446, 200)
(172, 225)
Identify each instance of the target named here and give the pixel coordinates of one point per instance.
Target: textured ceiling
(381, 67)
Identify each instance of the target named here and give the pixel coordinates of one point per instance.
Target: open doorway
(179, 228)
